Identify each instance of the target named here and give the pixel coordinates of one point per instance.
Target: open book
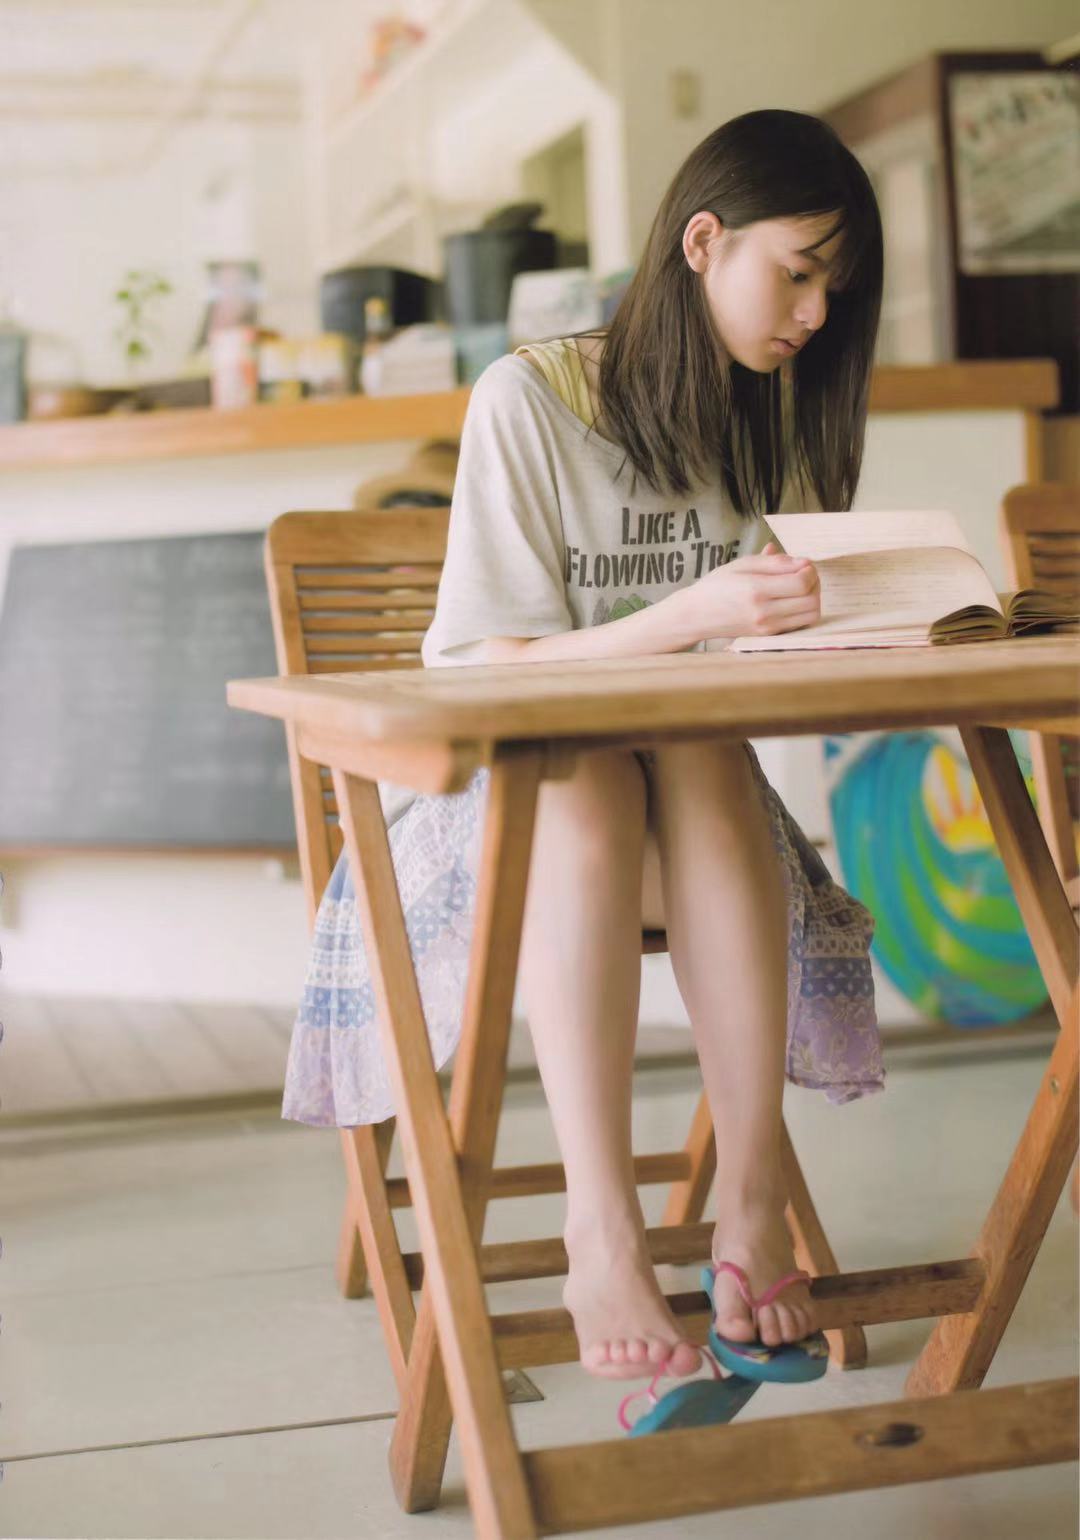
(903, 580)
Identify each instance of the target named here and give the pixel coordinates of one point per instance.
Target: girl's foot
(624, 1327)
(754, 1236)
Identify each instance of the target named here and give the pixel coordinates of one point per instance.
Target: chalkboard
(114, 730)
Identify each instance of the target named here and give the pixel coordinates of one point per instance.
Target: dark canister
(481, 264)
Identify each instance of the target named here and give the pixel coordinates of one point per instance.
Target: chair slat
(342, 666)
(1061, 577)
(1040, 523)
(389, 577)
(1054, 542)
(357, 646)
(327, 601)
(387, 620)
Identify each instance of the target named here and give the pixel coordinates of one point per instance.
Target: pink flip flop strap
(650, 1389)
(769, 1294)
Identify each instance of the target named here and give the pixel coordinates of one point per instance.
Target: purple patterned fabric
(336, 1074)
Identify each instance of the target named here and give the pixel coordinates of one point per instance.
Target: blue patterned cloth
(336, 1074)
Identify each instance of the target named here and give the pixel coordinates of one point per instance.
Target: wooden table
(431, 730)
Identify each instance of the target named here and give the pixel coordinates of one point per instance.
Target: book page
(820, 535)
(883, 590)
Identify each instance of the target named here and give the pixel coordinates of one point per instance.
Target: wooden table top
(1034, 681)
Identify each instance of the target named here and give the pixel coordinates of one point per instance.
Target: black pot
(481, 266)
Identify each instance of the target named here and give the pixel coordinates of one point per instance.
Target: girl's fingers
(800, 583)
(797, 622)
(774, 563)
(786, 614)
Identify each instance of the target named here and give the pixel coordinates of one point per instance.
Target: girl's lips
(787, 349)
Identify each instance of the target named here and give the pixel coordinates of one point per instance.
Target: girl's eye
(797, 277)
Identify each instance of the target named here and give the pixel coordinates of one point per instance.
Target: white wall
(216, 192)
(804, 55)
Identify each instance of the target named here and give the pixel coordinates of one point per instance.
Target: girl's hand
(755, 596)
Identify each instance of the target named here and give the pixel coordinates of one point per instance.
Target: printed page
(881, 590)
(821, 535)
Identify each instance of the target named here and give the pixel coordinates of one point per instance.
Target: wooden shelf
(982, 385)
(1026, 385)
(168, 435)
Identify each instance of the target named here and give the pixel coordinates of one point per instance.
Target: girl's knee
(603, 795)
(707, 772)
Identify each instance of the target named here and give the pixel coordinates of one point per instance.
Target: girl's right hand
(755, 596)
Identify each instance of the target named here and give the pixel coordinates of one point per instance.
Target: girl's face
(767, 293)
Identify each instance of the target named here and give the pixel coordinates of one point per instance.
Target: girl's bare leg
(581, 979)
(727, 925)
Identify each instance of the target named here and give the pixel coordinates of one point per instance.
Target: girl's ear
(702, 232)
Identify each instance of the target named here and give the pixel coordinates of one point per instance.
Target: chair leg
(350, 1267)
(366, 1150)
(686, 1200)
(847, 1344)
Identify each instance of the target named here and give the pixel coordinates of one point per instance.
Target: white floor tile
(173, 1282)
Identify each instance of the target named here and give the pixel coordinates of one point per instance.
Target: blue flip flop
(789, 1363)
(693, 1404)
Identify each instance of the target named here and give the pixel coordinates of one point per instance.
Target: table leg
(961, 1347)
(448, 1166)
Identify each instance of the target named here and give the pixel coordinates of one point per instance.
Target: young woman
(609, 504)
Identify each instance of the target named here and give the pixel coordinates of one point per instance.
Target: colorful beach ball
(915, 846)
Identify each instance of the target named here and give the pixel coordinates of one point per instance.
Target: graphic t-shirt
(548, 531)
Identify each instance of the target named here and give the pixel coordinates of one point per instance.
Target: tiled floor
(176, 1360)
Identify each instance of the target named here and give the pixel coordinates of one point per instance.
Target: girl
(608, 504)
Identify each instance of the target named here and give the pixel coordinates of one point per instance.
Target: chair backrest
(348, 591)
(1040, 528)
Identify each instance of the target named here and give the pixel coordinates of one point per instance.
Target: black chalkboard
(114, 730)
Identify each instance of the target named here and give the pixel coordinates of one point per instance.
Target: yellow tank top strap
(561, 365)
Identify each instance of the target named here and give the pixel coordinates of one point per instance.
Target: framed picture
(1016, 165)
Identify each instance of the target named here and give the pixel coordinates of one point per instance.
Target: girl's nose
(812, 308)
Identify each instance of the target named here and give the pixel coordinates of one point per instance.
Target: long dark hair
(669, 392)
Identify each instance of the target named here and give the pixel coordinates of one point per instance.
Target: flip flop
(693, 1404)
(789, 1363)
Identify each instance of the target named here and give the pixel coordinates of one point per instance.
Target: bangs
(855, 218)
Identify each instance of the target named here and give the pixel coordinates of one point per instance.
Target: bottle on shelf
(377, 331)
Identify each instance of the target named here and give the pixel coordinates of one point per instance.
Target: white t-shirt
(547, 531)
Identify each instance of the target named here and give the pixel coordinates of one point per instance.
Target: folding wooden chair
(1040, 529)
(356, 591)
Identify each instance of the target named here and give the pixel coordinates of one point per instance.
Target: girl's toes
(684, 1358)
(658, 1351)
(636, 1351)
(739, 1328)
(788, 1322)
(769, 1330)
(617, 1351)
(596, 1356)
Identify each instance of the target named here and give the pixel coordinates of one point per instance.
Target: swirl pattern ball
(914, 844)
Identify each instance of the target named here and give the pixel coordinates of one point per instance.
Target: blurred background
(233, 153)
(253, 253)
